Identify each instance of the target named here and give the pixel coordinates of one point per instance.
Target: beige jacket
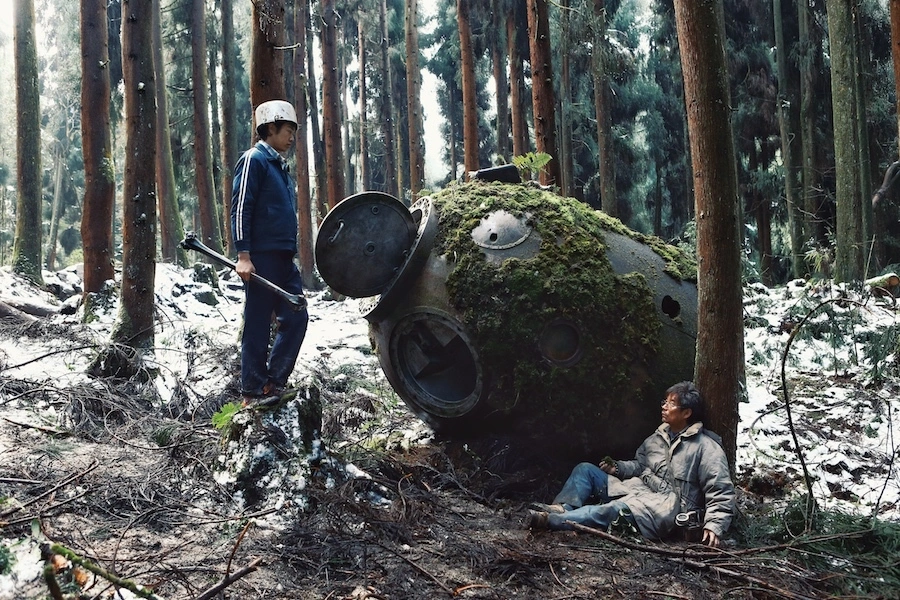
(666, 478)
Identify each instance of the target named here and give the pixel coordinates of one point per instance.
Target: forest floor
(128, 483)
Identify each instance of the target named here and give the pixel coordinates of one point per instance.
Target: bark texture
(720, 341)
(542, 96)
(96, 147)
(27, 243)
(134, 324)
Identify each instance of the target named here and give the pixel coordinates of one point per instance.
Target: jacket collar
(268, 150)
(689, 431)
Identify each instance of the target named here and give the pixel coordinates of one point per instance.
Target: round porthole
(436, 363)
(560, 343)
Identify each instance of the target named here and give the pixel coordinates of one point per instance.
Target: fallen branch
(419, 567)
(48, 430)
(695, 560)
(228, 580)
(64, 482)
(100, 571)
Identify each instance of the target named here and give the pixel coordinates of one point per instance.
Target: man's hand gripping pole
(190, 242)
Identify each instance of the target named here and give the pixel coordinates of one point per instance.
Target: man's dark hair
(262, 130)
(688, 397)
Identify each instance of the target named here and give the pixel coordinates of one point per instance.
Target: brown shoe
(537, 520)
(547, 508)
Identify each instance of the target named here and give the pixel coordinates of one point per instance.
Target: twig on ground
(48, 430)
(64, 482)
(237, 543)
(418, 567)
(228, 580)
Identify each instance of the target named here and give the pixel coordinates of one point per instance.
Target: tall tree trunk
(134, 324)
(813, 224)
(206, 188)
(521, 142)
(498, 61)
(789, 123)
(223, 221)
(58, 169)
(347, 154)
(720, 338)
(171, 230)
(304, 200)
(849, 233)
(364, 165)
(96, 148)
(387, 112)
(331, 120)
(467, 73)
(27, 243)
(861, 64)
(266, 61)
(413, 101)
(312, 96)
(895, 57)
(565, 103)
(229, 114)
(542, 95)
(606, 164)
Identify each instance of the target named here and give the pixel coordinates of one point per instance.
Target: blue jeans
(259, 365)
(587, 482)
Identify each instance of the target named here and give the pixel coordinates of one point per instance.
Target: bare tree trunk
(498, 61)
(520, 139)
(27, 244)
(266, 60)
(789, 122)
(229, 115)
(542, 95)
(413, 101)
(849, 232)
(565, 103)
(59, 167)
(331, 121)
(364, 166)
(206, 188)
(720, 340)
(812, 198)
(171, 230)
(304, 201)
(606, 167)
(895, 56)
(349, 180)
(312, 98)
(387, 113)
(871, 246)
(467, 73)
(134, 324)
(96, 145)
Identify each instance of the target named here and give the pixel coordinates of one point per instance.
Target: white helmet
(275, 110)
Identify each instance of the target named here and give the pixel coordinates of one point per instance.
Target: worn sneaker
(272, 389)
(547, 508)
(537, 520)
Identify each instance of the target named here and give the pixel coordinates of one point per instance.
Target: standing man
(679, 475)
(264, 224)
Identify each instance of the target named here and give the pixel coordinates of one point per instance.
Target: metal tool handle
(190, 242)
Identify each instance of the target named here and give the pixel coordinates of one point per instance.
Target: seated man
(680, 468)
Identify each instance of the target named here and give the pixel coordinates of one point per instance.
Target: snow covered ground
(842, 371)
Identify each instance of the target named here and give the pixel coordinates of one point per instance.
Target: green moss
(507, 305)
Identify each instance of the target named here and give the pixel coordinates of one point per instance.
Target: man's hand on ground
(710, 538)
